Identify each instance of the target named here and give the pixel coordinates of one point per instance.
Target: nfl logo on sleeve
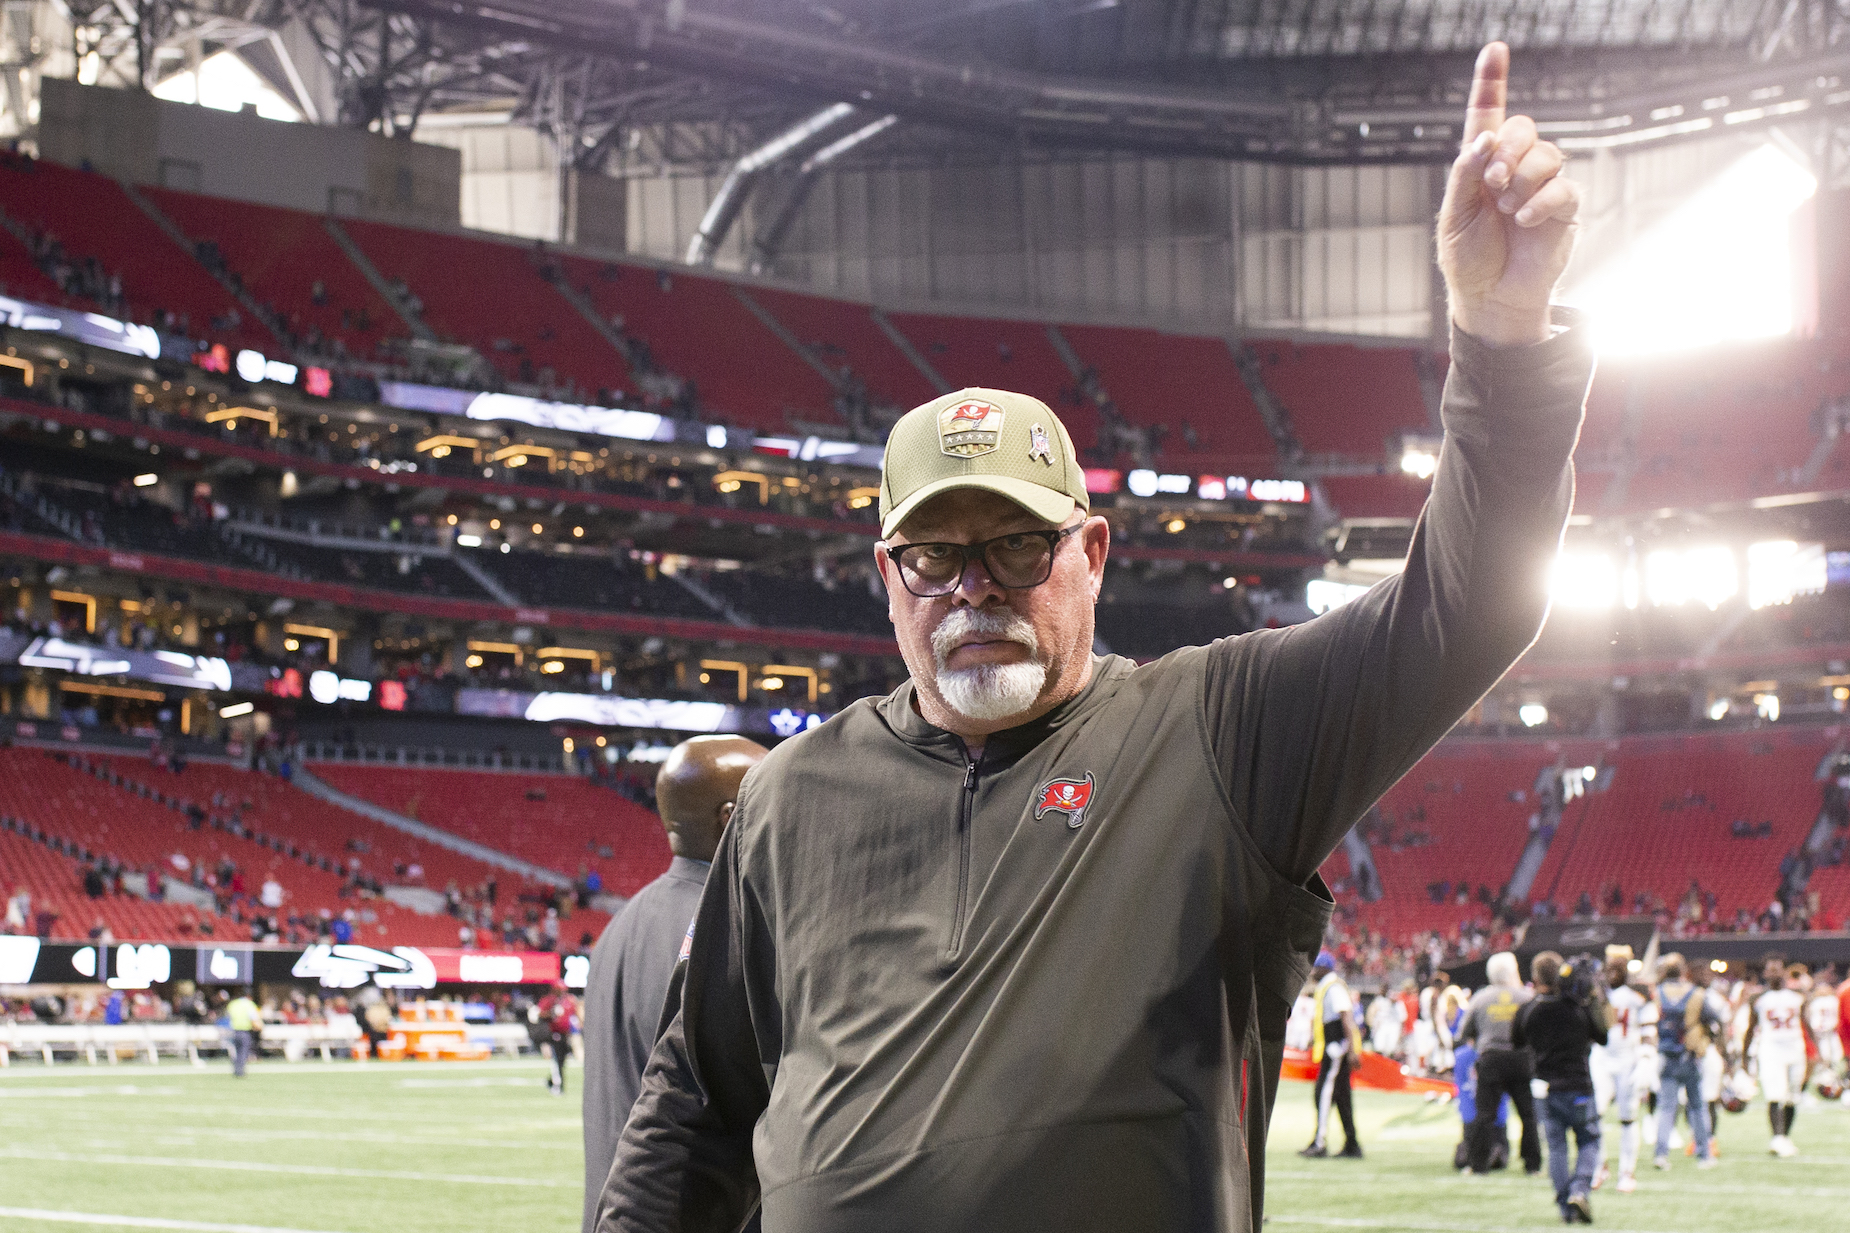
(1067, 796)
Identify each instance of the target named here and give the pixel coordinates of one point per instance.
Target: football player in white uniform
(1776, 1040)
(1822, 1011)
(1619, 1064)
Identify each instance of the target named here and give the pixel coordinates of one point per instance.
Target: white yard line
(118, 1089)
(135, 1222)
(1416, 1226)
(253, 1166)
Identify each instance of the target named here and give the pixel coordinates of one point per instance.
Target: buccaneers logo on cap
(1067, 796)
(969, 428)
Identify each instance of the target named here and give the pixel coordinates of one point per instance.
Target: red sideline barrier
(1376, 1072)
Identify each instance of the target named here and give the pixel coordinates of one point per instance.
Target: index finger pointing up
(1490, 88)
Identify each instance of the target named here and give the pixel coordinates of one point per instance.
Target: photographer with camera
(1561, 1025)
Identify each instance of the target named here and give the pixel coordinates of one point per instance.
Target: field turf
(310, 1147)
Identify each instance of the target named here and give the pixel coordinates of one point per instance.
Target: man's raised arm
(1314, 722)
(684, 1163)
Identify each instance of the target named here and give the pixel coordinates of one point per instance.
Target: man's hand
(1506, 227)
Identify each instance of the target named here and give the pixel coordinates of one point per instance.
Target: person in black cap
(1336, 1047)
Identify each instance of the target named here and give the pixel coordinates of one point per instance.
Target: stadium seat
(696, 328)
(559, 821)
(998, 354)
(93, 217)
(1345, 399)
(841, 333)
(281, 255)
(1179, 383)
(490, 294)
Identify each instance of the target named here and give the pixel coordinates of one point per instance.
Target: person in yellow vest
(246, 1024)
(1336, 1047)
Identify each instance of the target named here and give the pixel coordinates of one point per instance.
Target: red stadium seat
(489, 294)
(281, 255)
(559, 821)
(94, 217)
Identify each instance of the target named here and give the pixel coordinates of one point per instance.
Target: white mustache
(960, 623)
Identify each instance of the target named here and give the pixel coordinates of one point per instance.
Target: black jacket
(1562, 1034)
(929, 995)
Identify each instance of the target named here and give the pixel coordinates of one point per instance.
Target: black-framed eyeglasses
(1016, 561)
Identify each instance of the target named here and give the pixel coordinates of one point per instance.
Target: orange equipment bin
(429, 1032)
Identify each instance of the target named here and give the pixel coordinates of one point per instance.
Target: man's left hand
(1506, 227)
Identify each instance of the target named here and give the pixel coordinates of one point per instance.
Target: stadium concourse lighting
(1532, 714)
(236, 709)
(1719, 268)
(147, 480)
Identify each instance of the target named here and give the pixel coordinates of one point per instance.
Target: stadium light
(147, 480)
(1718, 709)
(236, 709)
(1719, 268)
(1532, 714)
(1583, 580)
(1766, 706)
(1780, 570)
(1704, 575)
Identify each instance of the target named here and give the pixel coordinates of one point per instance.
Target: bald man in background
(634, 961)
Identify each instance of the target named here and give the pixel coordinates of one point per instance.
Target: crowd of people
(1584, 1040)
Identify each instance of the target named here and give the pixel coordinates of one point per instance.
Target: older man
(1013, 947)
(633, 963)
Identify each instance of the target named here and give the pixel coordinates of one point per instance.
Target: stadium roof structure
(641, 87)
(1296, 81)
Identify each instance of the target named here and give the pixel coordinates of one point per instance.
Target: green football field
(408, 1148)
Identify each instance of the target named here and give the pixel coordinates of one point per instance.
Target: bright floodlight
(1584, 580)
(1718, 709)
(1778, 571)
(1704, 576)
(226, 82)
(1419, 463)
(1719, 268)
(1321, 595)
(1532, 714)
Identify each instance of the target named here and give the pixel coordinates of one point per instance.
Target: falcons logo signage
(1068, 796)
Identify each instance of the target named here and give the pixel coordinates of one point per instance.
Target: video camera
(1579, 982)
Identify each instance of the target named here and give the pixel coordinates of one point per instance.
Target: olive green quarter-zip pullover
(1046, 989)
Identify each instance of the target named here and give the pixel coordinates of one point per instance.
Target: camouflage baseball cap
(1002, 442)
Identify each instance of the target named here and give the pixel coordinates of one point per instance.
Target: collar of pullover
(910, 726)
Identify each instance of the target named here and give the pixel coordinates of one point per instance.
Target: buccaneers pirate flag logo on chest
(1068, 796)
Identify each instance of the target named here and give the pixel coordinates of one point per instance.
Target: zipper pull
(970, 777)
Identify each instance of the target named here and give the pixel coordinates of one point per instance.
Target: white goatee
(988, 692)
